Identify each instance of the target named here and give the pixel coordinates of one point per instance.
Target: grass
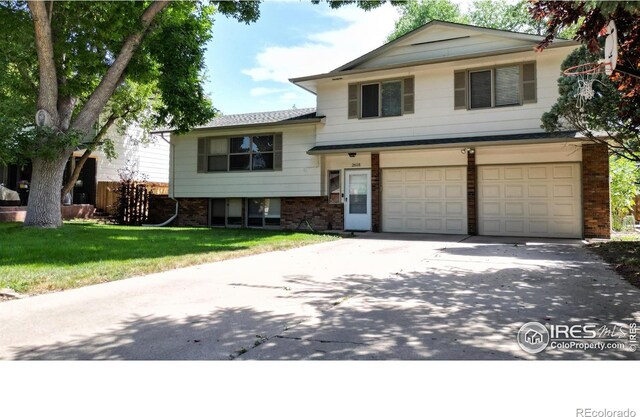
(35, 261)
(623, 253)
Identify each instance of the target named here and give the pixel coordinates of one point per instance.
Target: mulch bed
(624, 257)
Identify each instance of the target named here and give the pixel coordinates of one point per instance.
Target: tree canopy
(495, 14)
(80, 66)
(613, 115)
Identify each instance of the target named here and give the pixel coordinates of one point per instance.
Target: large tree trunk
(43, 209)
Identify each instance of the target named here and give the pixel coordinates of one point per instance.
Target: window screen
(507, 86)
(391, 98)
(370, 100)
(480, 89)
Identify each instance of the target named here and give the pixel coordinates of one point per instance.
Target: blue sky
(248, 65)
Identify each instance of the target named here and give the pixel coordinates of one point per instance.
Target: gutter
(172, 181)
(314, 120)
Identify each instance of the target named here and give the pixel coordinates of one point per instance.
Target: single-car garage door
(530, 200)
(424, 200)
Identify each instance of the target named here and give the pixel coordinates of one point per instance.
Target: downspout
(172, 181)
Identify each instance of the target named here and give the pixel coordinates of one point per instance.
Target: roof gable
(437, 40)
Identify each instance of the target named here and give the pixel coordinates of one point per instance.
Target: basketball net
(588, 73)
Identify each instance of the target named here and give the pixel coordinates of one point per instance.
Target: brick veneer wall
(161, 208)
(595, 191)
(321, 214)
(192, 211)
(472, 223)
(375, 192)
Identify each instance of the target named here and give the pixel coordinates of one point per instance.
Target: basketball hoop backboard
(611, 48)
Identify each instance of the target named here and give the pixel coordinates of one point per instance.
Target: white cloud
(325, 51)
(264, 91)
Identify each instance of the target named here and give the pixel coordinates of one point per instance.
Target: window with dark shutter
(460, 90)
(353, 101)
(510, 85)
(240, 153)
(408, 96)
(203, 151)
(277, 152)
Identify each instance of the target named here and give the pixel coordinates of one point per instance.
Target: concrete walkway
(375, 297)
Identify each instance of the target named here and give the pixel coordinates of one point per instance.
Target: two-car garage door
(513, 200)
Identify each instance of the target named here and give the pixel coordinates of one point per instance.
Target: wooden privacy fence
(107, 194)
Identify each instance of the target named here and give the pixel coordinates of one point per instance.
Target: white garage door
(424, 200)
(530, 200)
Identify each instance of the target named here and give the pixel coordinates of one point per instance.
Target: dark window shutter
(460, 90)
(409, 95)
(529, 83)
(353, 101)
(277, 152)
(203, 151)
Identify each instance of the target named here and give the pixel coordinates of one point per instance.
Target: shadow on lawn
(458, 313)
(78, 243)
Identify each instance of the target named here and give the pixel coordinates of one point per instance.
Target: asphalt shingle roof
(277, 116)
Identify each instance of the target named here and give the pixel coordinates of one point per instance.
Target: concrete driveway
(374, 297)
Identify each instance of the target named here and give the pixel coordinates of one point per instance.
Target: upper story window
(381, 98)
(240, 153)
(508, 85)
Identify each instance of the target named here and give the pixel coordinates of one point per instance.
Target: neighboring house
(435, 132)
(150, 160)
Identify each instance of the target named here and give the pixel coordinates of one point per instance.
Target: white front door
(357, 199)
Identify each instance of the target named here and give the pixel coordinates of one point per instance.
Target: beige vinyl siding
(415, 50)
(434, 115)
(300, 175)
(150, 159)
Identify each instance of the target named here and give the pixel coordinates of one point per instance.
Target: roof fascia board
(476, 144)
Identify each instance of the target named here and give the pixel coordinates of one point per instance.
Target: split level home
(435, 132)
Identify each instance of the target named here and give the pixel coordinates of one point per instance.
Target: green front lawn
(84, 253)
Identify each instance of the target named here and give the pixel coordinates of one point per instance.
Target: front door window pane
(391, 98)
(358, 194)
